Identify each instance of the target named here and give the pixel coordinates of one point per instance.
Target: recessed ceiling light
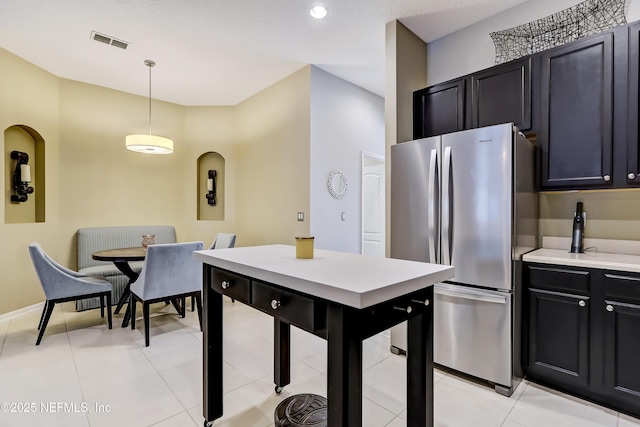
(318, 12)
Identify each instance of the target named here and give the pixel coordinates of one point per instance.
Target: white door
(373, 206)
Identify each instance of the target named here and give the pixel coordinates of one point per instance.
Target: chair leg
(44, 310)
(102, 305)
(184, 307)
(109, 317)
(198, 299)
(176, 305)
(45, 321)
(193, 303)
(145, 311)
(132, 311)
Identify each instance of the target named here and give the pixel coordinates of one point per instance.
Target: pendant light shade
(151, 144)
(148, 143)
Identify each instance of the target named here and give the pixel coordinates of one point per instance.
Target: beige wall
(273, 161)
(406, 71)
(611, 214)
(92, 180)
(30, 97)
(211, 129)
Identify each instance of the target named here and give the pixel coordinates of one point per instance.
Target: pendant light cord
(149, 99)
(149, 63)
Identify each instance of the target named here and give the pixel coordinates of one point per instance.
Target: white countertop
(600, 260)
(350, 279)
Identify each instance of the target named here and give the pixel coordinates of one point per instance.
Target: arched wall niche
(206, 162)
(25, 139)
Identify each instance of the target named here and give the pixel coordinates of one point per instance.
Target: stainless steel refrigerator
(467, 199)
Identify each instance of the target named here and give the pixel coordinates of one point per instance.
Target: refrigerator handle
(431, 212)
(447, 245)
(475, 296)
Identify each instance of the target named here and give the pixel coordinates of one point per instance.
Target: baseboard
(16, 313)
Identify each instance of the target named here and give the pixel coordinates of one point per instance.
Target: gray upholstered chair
(224, 240)
(61, 284)
(169, 272)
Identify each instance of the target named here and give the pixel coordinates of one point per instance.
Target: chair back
(58, 281)
(223, 241)
(169, 269)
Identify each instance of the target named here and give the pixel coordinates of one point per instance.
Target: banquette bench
(93, 239)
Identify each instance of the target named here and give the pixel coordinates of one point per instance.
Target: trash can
(301, 410)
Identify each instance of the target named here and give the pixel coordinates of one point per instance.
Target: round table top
(124, 254)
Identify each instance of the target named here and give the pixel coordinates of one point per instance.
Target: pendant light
(148, 143)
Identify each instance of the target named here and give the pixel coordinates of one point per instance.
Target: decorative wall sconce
(211, 188)
(21, 177)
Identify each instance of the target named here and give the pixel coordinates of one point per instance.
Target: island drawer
(290, 307)
(231, 285)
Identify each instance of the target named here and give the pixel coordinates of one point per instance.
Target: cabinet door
(632, 172)
(439, 109)
(558, 337)
(502, 94)
(621, 309)
(576, 122)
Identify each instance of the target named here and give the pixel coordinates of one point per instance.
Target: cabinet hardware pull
(408, 309)
(582, 303)
(275, 304)
(417, 301)
(631, 175)
(609, 307)
(607, 178)
(226, 284)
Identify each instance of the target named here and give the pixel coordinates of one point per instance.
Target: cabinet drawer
(559, 279)
(621, 286)
(231, 285)
(290, 307)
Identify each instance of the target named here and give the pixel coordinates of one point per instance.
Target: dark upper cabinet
(632, 171)
(439, 109)
(576, 120)
(502, 94)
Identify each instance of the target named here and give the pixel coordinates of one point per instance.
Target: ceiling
(220, 52)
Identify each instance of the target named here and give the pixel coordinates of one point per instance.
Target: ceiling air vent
(102, 38)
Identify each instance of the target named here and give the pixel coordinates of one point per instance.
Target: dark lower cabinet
(621, 318)
(586, 342)
(559, 336)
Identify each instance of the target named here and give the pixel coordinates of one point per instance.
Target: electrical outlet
(300, 216)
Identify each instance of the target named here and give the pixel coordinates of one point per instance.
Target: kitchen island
(343, 298)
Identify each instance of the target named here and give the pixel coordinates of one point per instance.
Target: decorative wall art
(337, 184)
(584, 19)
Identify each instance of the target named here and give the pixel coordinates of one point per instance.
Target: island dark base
(342, 326)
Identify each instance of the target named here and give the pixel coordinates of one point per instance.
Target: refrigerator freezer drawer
(472, 332)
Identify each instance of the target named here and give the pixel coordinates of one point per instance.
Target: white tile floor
(86, 375)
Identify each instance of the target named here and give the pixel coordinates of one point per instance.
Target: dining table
(121, 258)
